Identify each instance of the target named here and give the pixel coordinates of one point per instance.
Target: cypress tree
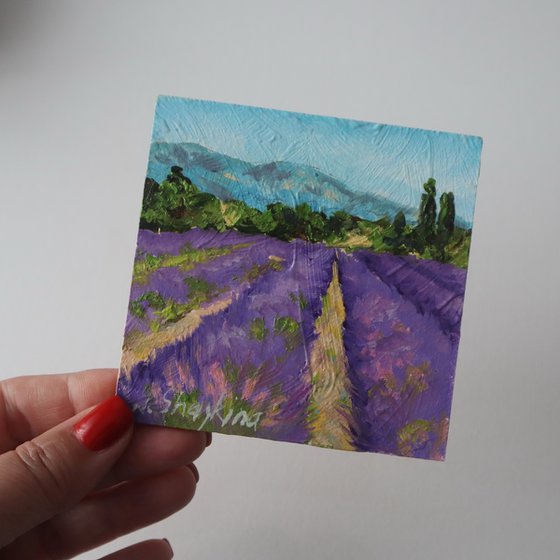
(427, 215)
(399, 223)
(446, 216)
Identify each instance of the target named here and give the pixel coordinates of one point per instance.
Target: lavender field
(293, 341)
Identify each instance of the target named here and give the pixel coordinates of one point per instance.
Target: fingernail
(194, 471)
(169, 545)
(208, 439)
(105, 424)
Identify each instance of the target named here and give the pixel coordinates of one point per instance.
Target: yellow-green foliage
(186, 260)
(258, 330)
(413, 435)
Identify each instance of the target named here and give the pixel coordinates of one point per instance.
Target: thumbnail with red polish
(105, 424)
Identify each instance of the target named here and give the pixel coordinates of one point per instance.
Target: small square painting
(299, 278)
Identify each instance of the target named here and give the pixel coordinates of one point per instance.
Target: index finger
(33, 404)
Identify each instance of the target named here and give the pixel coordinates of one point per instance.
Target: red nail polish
(208, 439)
(105, 424)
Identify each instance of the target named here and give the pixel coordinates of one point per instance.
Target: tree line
(178, 205)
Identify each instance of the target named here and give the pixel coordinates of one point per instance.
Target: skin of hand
(76, 473)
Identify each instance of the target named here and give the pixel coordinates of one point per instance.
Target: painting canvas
(299, 278)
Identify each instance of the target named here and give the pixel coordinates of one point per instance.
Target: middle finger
(155, 450)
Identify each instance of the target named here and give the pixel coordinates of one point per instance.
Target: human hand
(72, 479)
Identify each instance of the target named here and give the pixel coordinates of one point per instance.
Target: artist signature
(213, 413)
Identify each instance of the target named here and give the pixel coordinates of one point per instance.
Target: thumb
(56, 469)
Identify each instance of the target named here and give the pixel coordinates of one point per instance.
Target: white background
(78, 83)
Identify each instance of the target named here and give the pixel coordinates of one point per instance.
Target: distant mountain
(259, 185)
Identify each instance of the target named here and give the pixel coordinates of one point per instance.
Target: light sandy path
(330, 410)
(140, 346)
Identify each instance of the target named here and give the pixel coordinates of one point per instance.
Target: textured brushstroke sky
(388, 160)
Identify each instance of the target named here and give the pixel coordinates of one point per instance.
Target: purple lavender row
(435, 288)
(256, 351)
(225, 271)
(401, 365)
(171, 243)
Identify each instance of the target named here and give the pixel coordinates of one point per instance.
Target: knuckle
(44, 465)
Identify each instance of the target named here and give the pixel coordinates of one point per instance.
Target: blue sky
(390, 161)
